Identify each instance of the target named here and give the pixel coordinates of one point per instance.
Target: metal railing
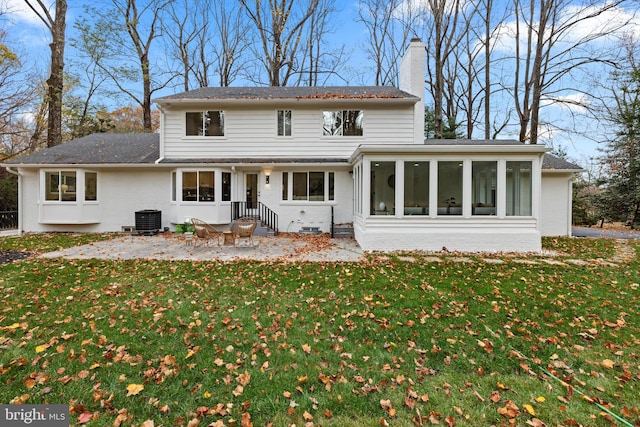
(8, 220)
(258, 211)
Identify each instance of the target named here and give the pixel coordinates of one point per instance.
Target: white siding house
(307, 158)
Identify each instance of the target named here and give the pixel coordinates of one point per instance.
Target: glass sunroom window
(383, 188)
(450, 188)
(519, 189)
(416, 188)
(483, 187)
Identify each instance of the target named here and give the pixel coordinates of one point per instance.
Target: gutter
(13, 172)
(179, 103)
(161, 132)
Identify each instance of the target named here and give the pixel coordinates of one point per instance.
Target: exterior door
(251, 189)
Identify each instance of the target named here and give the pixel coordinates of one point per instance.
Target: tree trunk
(487, 71)
(55, 83)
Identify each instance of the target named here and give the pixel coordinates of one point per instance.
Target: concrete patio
(285, 247)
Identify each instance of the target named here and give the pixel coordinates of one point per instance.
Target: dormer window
(205, 123)
(342, 123)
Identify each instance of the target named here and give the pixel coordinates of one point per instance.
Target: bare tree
(129, 33)
(231, 29)
(206, 39)
(390, 25)
(316, 57)
(280, 27)
(183, 29)
(473, 57)
(553, 50)
(56, 25)
(442, 38)
(16, 96)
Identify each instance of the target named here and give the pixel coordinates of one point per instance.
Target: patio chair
(206, 232)
(243, 228)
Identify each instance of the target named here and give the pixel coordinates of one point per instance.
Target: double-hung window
(308, 186)
(342, 123)
(284, 122)
(205, 123)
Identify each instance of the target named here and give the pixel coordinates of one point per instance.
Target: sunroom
(478, 196)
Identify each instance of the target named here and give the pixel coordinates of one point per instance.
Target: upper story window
(342, 123)
(205, 123)
(284, 122)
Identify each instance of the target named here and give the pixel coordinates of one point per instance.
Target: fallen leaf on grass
(509, 410)
(387, 406)
(41, 348)
(133, 389)
(607, 363)
(306, 348)
(84, 417)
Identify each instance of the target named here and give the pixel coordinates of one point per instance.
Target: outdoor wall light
(267, 179)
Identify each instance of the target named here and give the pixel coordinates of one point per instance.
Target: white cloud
(19, 12)
(614, 22)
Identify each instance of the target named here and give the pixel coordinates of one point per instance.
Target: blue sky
(29, 35)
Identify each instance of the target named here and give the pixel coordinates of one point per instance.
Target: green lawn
(334, 344)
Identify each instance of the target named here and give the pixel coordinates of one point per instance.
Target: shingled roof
(551, 162)
(288, 93)
(98, 149)
(143, 148)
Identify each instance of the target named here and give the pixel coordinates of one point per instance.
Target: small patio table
(228, 238)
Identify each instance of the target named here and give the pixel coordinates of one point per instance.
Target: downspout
(14, 171)
(161, 137)
(570, 210)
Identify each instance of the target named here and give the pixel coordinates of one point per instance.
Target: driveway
(605, 232)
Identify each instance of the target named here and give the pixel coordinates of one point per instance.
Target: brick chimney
(412, 81)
